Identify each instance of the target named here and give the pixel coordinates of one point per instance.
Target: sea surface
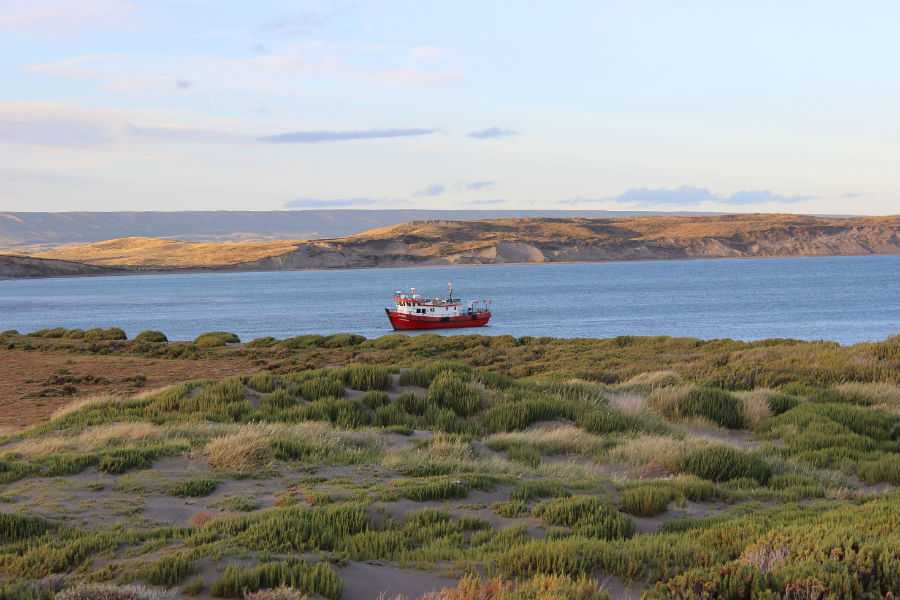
(846, 299)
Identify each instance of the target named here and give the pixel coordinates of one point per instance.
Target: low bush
(317, 579)
(211, 339)
(526, 455)
(170, 570)
(262, 342)
(100, 335)
(539, 488)
(151, 336)
(193, 488)
(263, 382)
(779, 402)
(450, 390)
(585, 515)
(412, 403)
(375, 398)
(723, 463)
(367, 377)
(426, 489)
(716, 405)
(646, 500)
(119, 461)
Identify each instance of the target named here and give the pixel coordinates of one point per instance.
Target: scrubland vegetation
(520, 468)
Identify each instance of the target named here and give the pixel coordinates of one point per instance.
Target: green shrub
(263, 382)
(539, 488)
(510, 508)
(56, 332)
(211, 339)
(722, 463)
(375, 398)
(283, 449)
(119, 461)
(65, 463)
(322, 386)
(276, 401)
(193, 488)
(449, 390)
(302, 342)
(780, 402)
(886, 468)
(343, 340)
(716, 405)
(317, 579)
(526, 455)
(74, 334)
(262, 342)
(585, 515)
(646, 500)
(412, 403)
(15, 528)
(98, 335)
(151, 336)
(426, 489)
(367, 377)
(170, 570)
(392, 415)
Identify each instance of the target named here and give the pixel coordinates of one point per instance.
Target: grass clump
(212, 339)
(106, 591)
(119, 461)
(245, 450)
(296, 573)
(723, 463)
(193, 488)
(585, 515)
(262, 342)
(717, 405)
(367, 377)
(450, 390)
(425, 489)
(539, 488)
(170, 570)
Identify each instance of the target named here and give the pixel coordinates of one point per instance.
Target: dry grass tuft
(564, 439)
(282, 592)
(654, 449)
(646, 382)
(756, 405)
(83, 402)
(91, 439)
(883, 396)
(246, 450)
(667, 401)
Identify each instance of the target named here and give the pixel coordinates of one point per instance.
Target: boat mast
(450, 290)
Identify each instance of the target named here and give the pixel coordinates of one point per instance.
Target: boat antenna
(450, 290)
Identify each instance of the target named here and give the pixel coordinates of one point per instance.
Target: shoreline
(126, 271)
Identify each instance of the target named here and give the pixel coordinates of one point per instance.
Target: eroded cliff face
(21, 267)
(501, 241)
(573, 240)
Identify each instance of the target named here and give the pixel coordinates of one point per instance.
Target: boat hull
(404, 321)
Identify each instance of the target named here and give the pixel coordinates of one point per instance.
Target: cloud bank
(492, 132)
(314, 137)
(687, 195)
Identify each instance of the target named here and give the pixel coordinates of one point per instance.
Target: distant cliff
(498, 241)
(565, 240)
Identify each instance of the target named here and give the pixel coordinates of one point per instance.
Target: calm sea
(844, 299)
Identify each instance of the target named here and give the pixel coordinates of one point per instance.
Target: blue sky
(788, 106)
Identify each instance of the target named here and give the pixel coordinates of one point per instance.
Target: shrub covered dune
(521, 468)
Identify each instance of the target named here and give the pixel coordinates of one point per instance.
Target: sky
(658, 105)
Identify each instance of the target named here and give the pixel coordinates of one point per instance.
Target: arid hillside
(498, 241)
(630, 238)
(162, 253)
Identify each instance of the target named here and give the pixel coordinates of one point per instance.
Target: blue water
(843, 299)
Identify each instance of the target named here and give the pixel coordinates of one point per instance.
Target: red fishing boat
(412, 311)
